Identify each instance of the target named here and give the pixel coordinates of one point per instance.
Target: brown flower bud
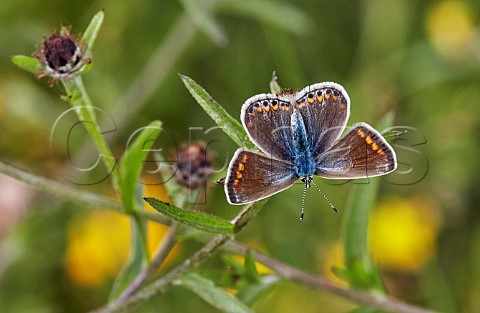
(62, 54)
(194, 166)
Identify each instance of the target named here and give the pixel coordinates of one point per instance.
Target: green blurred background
(419, 59)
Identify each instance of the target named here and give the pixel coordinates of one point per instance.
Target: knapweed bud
(62, 54)
(194, 166)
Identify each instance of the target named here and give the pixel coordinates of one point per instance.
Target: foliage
(428, 78)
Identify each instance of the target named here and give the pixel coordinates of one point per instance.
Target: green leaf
(217, 297)
(202, 17)
(91, 32)
(250, 268)
(196, 219)
(251, 293)
(361, 270)
(228, 124)
(29, 64)
(131, 163)
(274, 86)
(280, 15)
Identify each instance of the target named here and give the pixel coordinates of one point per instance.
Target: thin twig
(63, 191)
(285, 271)
(164, 249)
(161, 284)
(240, 221)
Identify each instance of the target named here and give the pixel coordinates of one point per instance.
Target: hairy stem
(285, 271)
(63, 191)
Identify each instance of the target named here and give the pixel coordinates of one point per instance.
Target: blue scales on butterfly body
(304, 163)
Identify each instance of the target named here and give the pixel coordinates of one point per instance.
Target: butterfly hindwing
(252, 177)
(363, 152)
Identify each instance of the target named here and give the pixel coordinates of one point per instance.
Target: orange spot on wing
(275, 107)
(369, 140)
(319, 98)
(310, 100)
(361, 133)
(259, 109)
(244, 158)
(239, 175)
(327, 96)
(380, 151)
(374, 146)
(241, 167)
(267, 109)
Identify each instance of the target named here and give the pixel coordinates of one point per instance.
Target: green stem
(85, 198)
(240, 221)
(79, 99)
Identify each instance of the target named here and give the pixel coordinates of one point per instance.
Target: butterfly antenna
(325, 197)
(303, 201)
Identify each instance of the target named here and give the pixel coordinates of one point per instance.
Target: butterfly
(298, 134)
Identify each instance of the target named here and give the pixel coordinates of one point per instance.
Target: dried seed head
(194, 166)
(62, 54)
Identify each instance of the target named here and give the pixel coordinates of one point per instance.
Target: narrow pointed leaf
(131, 163)
(250, 294)
(196, 219)
(228, 124)
(91, 32)
(274, 85)
(29, 64)
(217, 297)
(251, 268)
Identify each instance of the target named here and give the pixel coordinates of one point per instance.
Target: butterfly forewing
(252, 177)
(363, 152)
(325, 108)
(266, 118)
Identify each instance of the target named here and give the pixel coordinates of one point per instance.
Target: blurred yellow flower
(97, 247)
(450, 28)
(403, 233)
(98, 244)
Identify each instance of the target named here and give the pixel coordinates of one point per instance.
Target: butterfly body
(298, 134)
